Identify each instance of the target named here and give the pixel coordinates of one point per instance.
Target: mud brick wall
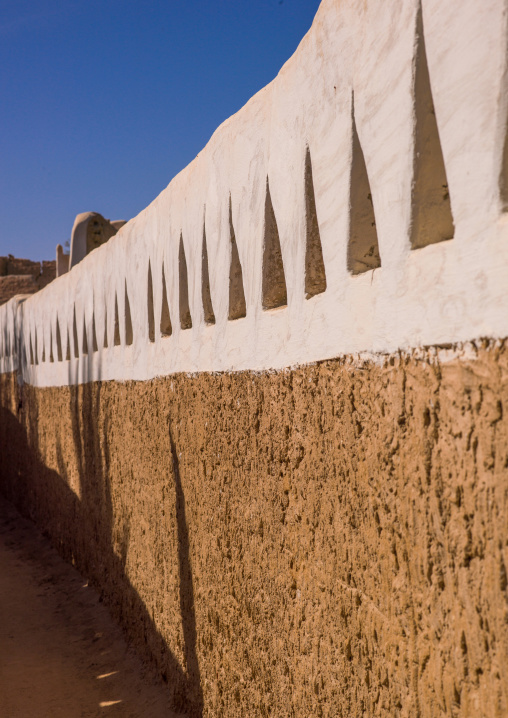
(330, 540)
(10, 286)
(22, 276)
(16, 266)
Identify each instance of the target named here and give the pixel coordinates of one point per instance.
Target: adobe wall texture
(22, 276)
(330, 540)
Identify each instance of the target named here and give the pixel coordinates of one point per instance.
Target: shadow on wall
(74, 523)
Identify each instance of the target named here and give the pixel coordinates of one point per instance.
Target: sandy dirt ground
(61, 656)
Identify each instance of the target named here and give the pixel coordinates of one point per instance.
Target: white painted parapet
(355, 204)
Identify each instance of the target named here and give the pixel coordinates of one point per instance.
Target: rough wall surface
(330, 540)
(22, 276)
(10, 286)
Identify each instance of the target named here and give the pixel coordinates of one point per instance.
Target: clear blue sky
(104, 101)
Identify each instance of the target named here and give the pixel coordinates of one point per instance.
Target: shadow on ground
(44, 495)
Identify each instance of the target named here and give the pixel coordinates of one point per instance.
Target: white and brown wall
(268, 419)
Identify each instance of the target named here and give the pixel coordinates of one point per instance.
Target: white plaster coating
(78, 237)
(449, 292)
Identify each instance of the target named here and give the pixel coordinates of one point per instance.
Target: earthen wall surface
(22, 276)
(330, 540)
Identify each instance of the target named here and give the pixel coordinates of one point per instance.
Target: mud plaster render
(330, 540)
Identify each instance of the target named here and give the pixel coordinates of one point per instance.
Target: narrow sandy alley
(61, 656)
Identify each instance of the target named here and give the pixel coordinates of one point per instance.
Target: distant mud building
(268, 419)
(22, 276)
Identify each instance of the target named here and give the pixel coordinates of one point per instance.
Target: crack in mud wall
(330, 540)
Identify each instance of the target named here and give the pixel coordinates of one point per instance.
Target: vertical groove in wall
(75, 335)
(51, 357)
(95, 346)
(165, 326)
(31, 351)
(43, 348)
(84, 343)
(185, 315)
(149, 304)
(315, 274)
(59, 352)
(274, 292)
(105, 342)
(431, 213)
(205, 283)
(36, 350)
(503, 178)
(116, 340)
(68, 352)
(128, 319)
(237, 306)
(363, 246)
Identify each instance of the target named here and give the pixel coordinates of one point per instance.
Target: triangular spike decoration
(315, 275)
(237, 306)
(205, 283)
(128, 319)
(59, 352)
(185, 315)
(75, 335)
(432, 219)
(363, 246)
(503, 178)
(116, 340)
(274, 291)
(149, 303)
(165, 326)
(95, 347)
(84, 343)
(105, 342)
